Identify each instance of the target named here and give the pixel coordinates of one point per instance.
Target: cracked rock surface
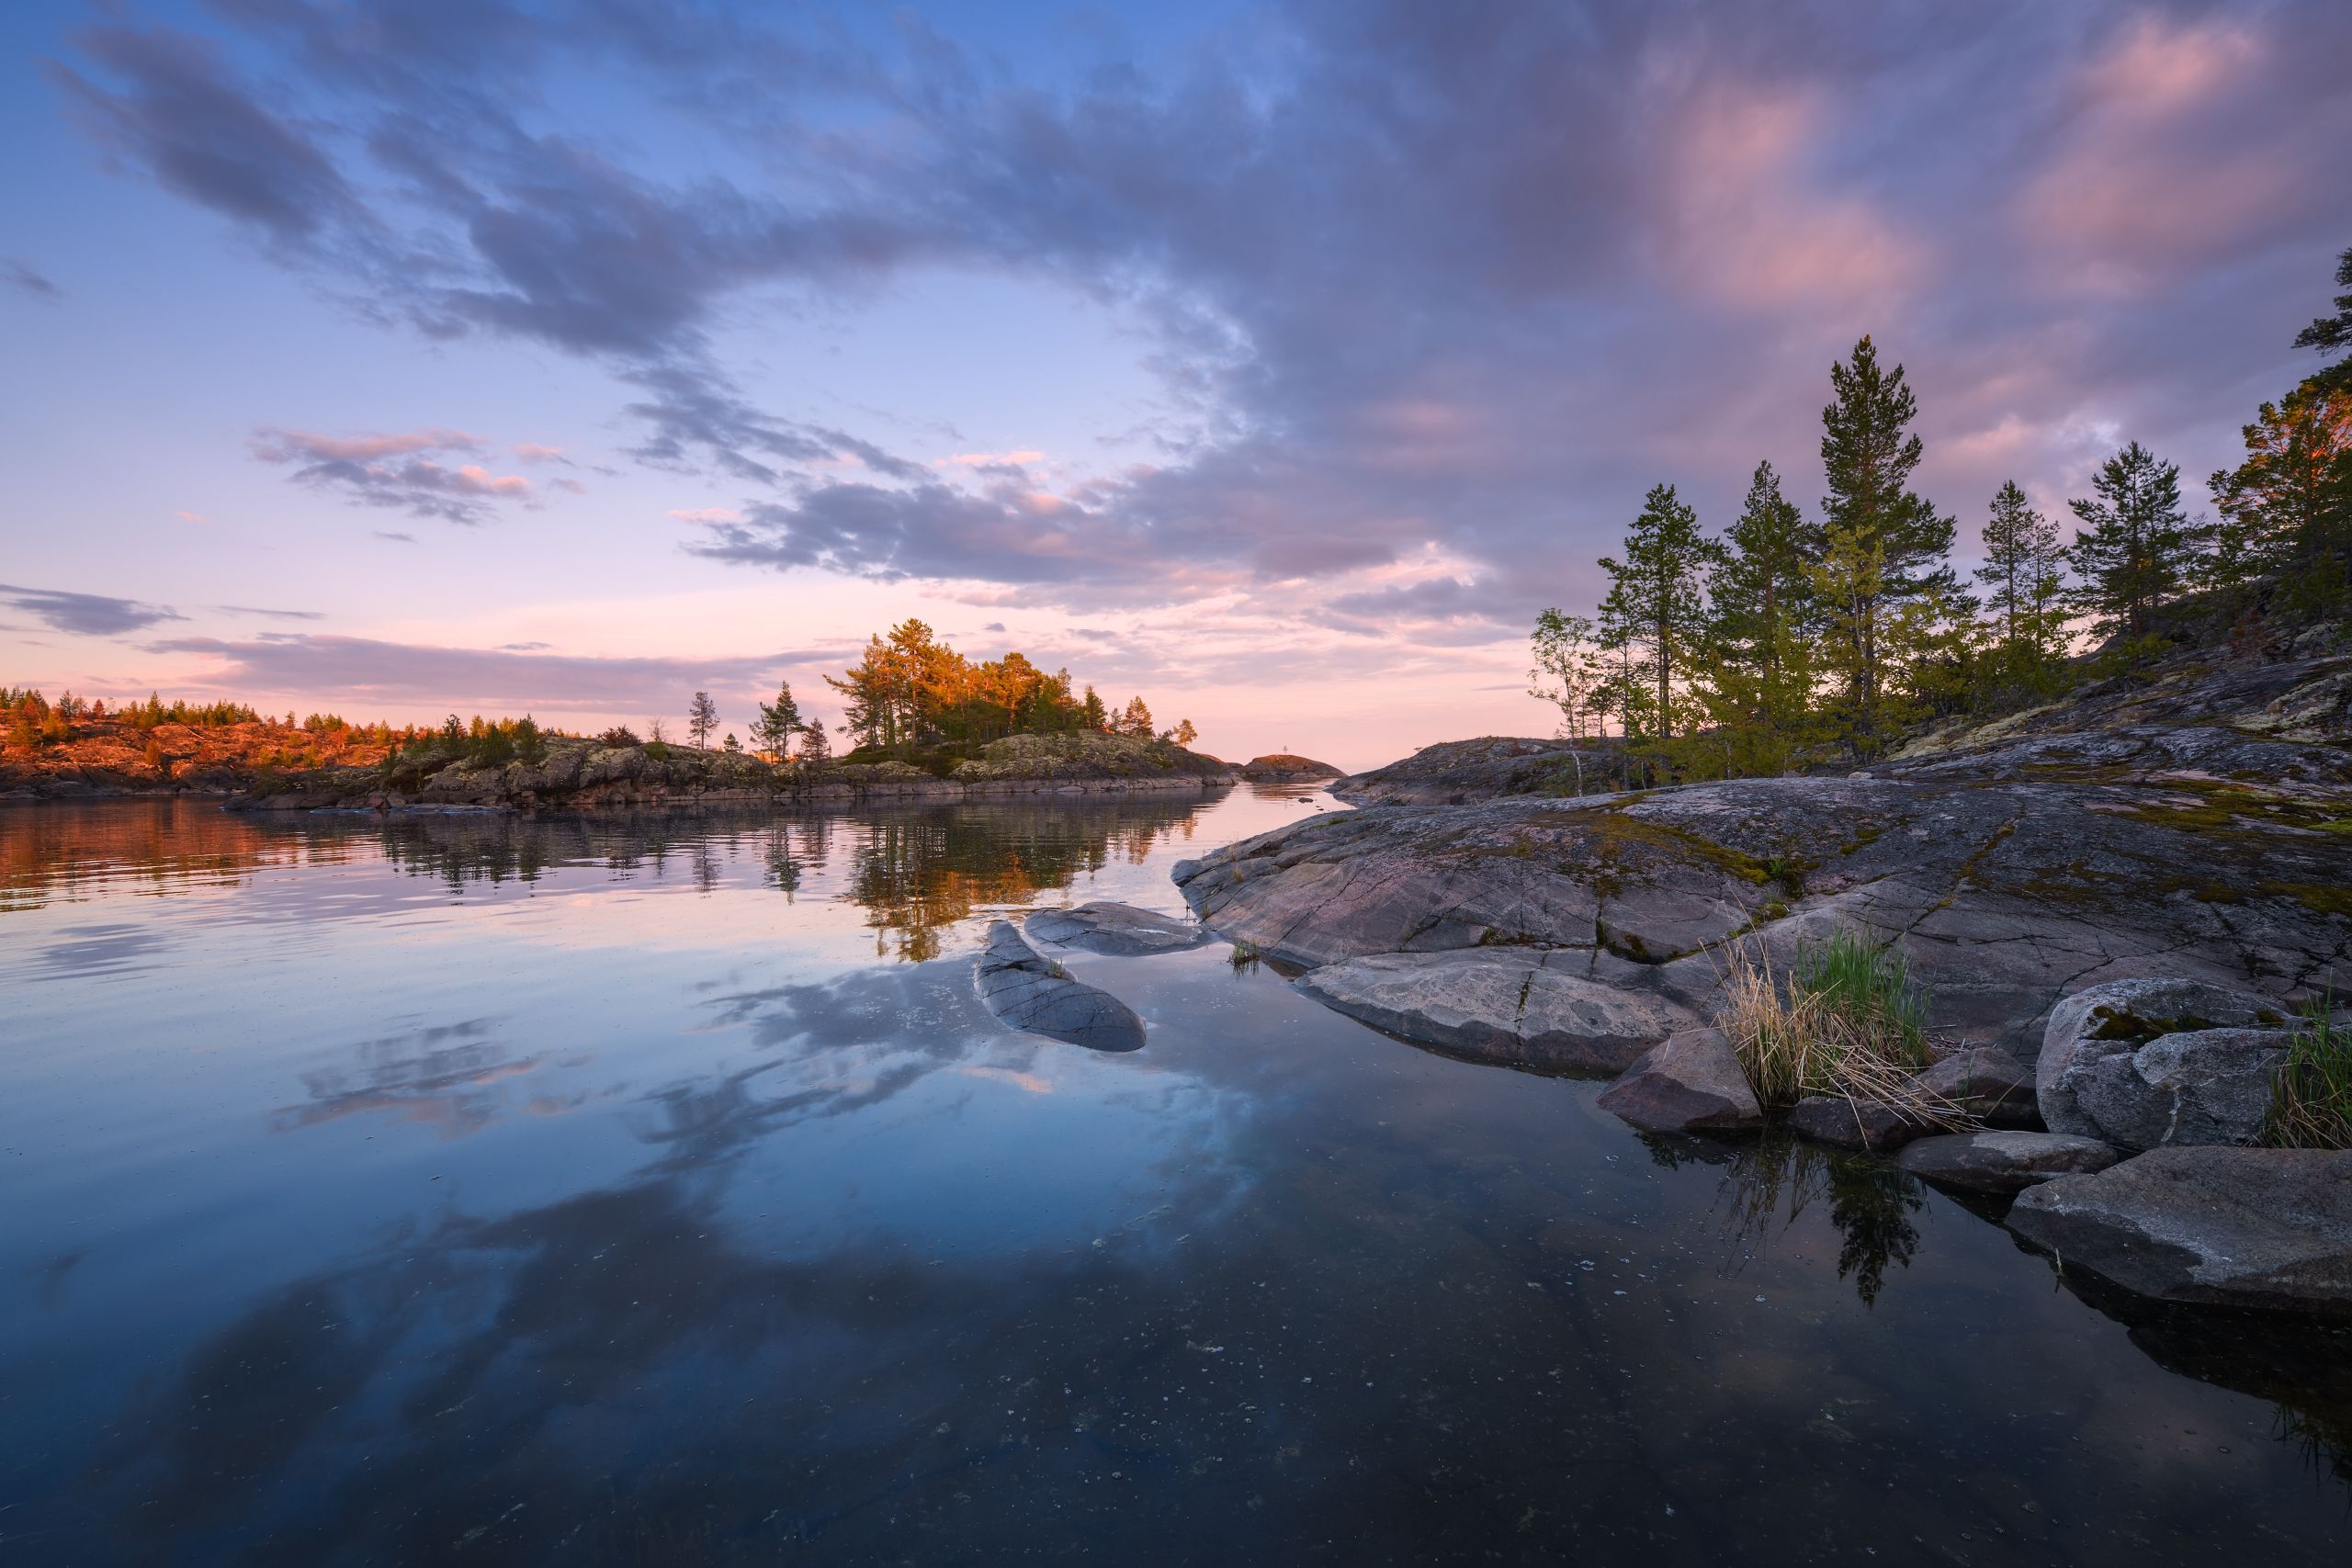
(2198, 831)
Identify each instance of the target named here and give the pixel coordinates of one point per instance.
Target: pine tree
(778, 722)
(1892, 541)
(1136, 720)
(2134, 545)
(1091, 712)
(1762, 598)
(2288, 507)
(1184, 734)
(2334, 332)
(2025, 581)
(702, 719)
(1657, 594)
(813, 745)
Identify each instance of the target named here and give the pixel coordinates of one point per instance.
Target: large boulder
(1121, 931)
(1517, 1006)
(1689, 1082)
(1032, 993)
(2267, 1228)
(2146, 1063)
(2004, 1161)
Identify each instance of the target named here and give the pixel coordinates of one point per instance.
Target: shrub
(619, 734)
(1849, 1022)
(2311, 1104)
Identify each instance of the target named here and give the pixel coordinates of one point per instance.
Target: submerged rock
(1121, 931)
(1513, 1005)
(1689, 1082)
(1030, 992)
(2004, 1161)
(2147, 1063)
(2269, 1228)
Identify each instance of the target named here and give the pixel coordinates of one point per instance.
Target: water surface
(654, 1190)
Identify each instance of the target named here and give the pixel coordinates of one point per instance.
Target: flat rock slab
(1501, 1005)
(2005, 1161)
(2147, 1063)
(1689, 1082)
(2266, 1228)
(1027, 991)
(1121, 931)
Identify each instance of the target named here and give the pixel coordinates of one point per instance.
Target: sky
(1277, 362)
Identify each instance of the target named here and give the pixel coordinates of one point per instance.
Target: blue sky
(1277, 362)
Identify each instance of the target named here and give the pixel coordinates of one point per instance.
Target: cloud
(353, 669)
(270, 615)
(394, 472)
(191, 517)
(33, 283)
(1402, 278)
(532, 452)
(86, 615)
(395, 538)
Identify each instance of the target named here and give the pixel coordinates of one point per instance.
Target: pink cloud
(282, 445)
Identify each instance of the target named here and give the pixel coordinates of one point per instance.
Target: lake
(655, 1190)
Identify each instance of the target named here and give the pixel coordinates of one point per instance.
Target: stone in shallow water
(1121, 931)
(1503, 1005)
(1024, 990)
(1986, 1082)
(2005, 1161)
(2267, 1228)
(1689, 1082)
(1853, 1124)
(2145, 1062)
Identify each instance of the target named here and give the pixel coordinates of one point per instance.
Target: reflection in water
(447, 1076)
(1769, 1183)
(824, 1263)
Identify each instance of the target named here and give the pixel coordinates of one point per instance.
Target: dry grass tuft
(1849, 1022)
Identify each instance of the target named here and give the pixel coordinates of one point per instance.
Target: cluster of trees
(483, 741)
(911, 690)
(1790, 636)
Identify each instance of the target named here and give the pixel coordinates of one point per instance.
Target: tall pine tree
(1889, 543)
(2024, 579)
(1657, 597)
(2288, 508)
(1762, 597)
(2330, 332)
(2133, 546)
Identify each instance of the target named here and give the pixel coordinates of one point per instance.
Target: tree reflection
(1769, 1184)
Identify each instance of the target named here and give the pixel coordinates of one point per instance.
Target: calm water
(655, 1191)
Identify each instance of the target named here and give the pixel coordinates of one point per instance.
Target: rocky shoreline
(2116, 905)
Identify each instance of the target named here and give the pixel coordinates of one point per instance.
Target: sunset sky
(1277, 362)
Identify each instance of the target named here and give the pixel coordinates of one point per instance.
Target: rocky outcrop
(1285, 767)
(1030, 992)
(2266, 1228)
(2147, 1063)
(2044, 860)
(1458, 772)
(1119, 929)
(1689, 1082)
(1501, 1005)
(2004, 1161)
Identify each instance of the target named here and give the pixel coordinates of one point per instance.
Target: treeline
(1793, 637)
(913, 690)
